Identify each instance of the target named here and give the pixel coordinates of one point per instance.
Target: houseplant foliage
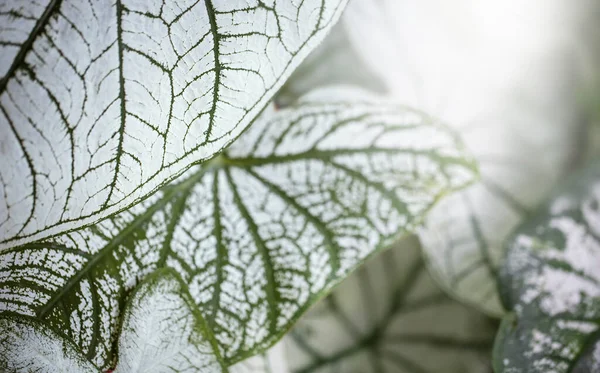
(170, 205)
(390, 316)
(551, 281)
(102, 102)
(259, 232)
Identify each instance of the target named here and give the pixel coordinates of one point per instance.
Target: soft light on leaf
(29, 346)
(163, 331)
(551, 279)
(103, 102)
(391, 317)
(260, 233)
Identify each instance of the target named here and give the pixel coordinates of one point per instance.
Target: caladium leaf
(390, 317)
(162, 331)
(30, 346)
(551, 280)
(103, 102)
(259, 233)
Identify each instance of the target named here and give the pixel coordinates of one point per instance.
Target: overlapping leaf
(162, 331)
(30, 346)
(259, 233)
(103, 102)
(551, 280)
(506, 124)
(390, 317)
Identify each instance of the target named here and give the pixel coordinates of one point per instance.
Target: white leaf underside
(391, 317)
(161, 332)
(258, 234)
(103, 102)
(551, 280)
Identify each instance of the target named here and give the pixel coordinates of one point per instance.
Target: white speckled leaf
(102, 102)
(551, 281)
(259, 233)
(163, 331)
(391, 317)
(27, 346)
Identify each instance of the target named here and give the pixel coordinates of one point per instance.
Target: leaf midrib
(28, 44)
(138, 221)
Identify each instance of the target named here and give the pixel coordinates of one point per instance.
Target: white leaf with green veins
(551, 281)
(102, 102)
(161, 331)
(260, 232)
(29, 346)
(391, 317)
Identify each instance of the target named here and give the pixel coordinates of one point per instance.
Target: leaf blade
(135, 99)
(259, 234)
(551, 281)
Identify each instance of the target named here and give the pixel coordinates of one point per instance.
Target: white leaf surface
(163, 331)
(260, 233)
(29, 347)
(102, 102)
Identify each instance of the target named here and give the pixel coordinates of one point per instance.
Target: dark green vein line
(221, 252)
(31, 168)
(271, 289)
(119, 150)
(123, 235)
(328, 238)
(210, 9)
(96, 325)
(400, 206)
(28, 44)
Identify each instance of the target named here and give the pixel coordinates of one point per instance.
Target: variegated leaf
(259, 233)
(102, 102)
(551, 281)
(30, 346)
(162, 332)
